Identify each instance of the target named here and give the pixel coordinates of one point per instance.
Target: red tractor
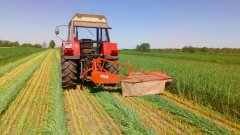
(88, 39)
(88, 55)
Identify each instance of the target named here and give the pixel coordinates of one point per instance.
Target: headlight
(68, 46)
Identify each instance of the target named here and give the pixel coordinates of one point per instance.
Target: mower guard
(135, 83)
(140, 84)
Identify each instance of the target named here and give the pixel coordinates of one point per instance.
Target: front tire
(69, 74)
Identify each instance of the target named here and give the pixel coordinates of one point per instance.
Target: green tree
(26, 45)
(143, 47)
(15, 44)
(38, 46)
(138, 48)
(52, 44)
(189, 49)
(204, 49)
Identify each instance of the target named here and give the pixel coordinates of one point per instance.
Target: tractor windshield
(96, 34)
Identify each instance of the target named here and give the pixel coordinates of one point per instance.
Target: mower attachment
(135, 83)
(139, 84)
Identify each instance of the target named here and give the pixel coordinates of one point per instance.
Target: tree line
(6, 43)
(192, 49)
(145, 47)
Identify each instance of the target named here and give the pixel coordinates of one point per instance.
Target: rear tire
(69, 74)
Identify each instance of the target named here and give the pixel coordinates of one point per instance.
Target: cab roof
(89, 20)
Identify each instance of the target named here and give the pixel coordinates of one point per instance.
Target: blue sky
(163, 24)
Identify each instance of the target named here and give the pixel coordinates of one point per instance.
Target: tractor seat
(86, 46)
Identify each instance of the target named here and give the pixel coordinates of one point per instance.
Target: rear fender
(72, 52)
(110, 50)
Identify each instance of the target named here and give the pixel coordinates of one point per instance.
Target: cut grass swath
(128, 119)
(202, 123)
(56, 119)
(58, 55)
(10, 77)
(24, 114)
(104, 121)
(12, 90)
(6, 68)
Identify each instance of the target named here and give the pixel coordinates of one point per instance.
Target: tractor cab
(91, 40)
(88, 35)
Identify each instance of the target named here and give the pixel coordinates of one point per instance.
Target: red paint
(74, 51)
(109, 49)
(68, 52)
(75, 38)
(114, 52)
(99, 77)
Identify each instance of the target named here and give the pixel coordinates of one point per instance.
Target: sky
(162, 23)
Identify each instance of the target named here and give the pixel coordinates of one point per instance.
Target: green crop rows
(10, 91)
(202, 123)
(129, 120)
(56, 119)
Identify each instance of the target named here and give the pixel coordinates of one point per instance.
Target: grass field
(32, 101)
(211, 84)
(8, 55)
(220, 58)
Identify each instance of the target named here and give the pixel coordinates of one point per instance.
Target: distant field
(204, 79)
(221, 58)
(8, 55)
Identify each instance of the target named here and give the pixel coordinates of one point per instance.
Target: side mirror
(57, 31)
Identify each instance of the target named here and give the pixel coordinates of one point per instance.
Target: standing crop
(211, 84)
(8, 55)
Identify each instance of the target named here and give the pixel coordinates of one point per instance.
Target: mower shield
(140, 84)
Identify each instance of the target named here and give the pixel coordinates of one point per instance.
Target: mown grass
(6, 68)
(214, 85)
(204, 124)
(129, 120)
(220, 58)
(8, 55)
(11, 91)
(56, 119)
